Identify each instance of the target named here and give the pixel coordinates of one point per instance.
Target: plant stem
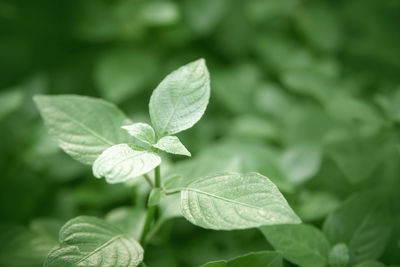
(151, 211)
(148, 180)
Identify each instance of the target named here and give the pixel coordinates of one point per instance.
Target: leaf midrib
(88, 129)
(221, 198)
(110, 241)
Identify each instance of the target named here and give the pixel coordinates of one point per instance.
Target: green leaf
(180, 100)
(301, 162)
(363, 223)
(301, 244)
(129, 220)
(89, 241)
(370, 264)
(173, 145)
(83, 126)
(229, 201)
(141, 131)
(9, 101)
(120, 163)
(122, 73)
(155, 197)
(22, 247)
(253, 259)
(339, 255)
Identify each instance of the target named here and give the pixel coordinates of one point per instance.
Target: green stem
(147, 178)
(151, 211)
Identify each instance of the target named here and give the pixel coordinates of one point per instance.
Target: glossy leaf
(253, 259)
(141, 131)
(89, 241)
(229, 201)
(173, 145)
(301, 244)
(363, 223)
(120, 163)
(180, 100)
(83, 126)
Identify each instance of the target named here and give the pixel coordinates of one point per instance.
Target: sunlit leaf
(173, 145)
(228, 201)
(89, 241)
(83, 126)
(120, 163)
(180, 100)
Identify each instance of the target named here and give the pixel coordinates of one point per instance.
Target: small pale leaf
(227, 201)
(173, 145)
(155, 197)
(89, 241)
(141, 131)
(180, 100)
(83, 126)
(120, 163)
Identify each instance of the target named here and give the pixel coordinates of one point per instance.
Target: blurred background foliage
(304, 92)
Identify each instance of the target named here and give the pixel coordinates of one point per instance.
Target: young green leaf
(129, 220)
(339, 255)
(120, 163)
(229, 201)
(89, 241)
(83, 126)
(173, 145)
(301, 244)
(253, 259)
(180, 100)
(363, 223)
(141, 131)
(155, 197)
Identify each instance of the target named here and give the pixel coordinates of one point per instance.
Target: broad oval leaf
(173, 145)
(230, 200)
(120, 163)
(141, 131)
(89, 241)
(180, 100)
(83, 126)
(252, 259)
(363, 223)
(301, 244)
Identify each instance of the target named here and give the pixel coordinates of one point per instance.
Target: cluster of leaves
(305, 93)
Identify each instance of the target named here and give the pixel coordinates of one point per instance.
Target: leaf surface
(83, 126)
(173, 145)
(253, 259)
(363, 223)
(229, 201)
(180, 100)
(120, 163)
(89, 241)
(301, 244)
(141, 131)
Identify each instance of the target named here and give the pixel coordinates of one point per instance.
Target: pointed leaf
(253, 259)
(83, 126)
(173, 145)
(155, 197)
(301, 244)
(180, 100)
(228, 201)
(141, 131)
(120, 163)
(89, 241)
(363, 223)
